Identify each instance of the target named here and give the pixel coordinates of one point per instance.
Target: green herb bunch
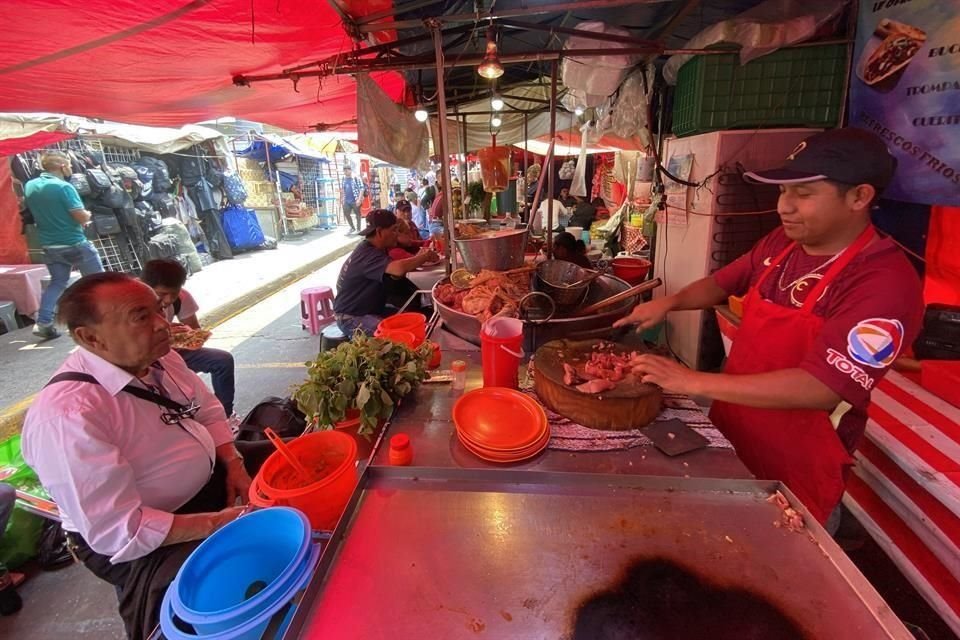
(369, 374)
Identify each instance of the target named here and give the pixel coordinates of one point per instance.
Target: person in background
(132, 446)
(559, 216)
(10, 601)
(584, 213)
(408, 241)
(405, 212)
(167, 277)
(351, 194)
(567, 199)
(364, 281)
(418, 215)
(428, 193)
(566, 247)
(829, 304)
(439, 207)
(60, 217)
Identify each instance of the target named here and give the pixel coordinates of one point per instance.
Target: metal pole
(526, 151)
(553, 136)
(448, 232)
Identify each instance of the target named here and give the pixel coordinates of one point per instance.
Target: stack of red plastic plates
(501, 425)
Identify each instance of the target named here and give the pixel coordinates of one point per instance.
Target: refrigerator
(704, 228)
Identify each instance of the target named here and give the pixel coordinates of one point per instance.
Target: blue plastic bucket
(242, 569)
(261, 626)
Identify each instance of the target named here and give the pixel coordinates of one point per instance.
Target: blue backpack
(234, 189)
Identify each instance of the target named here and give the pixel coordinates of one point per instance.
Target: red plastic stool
(316, 308)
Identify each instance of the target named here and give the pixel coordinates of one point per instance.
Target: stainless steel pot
(538, 333)
(501, 252)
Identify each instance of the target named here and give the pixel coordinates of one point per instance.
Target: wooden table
(22, 284)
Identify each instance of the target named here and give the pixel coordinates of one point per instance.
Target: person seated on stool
(364, 282)
(133, 446)
(166, 277)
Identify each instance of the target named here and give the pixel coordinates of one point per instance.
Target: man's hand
(429, 255)
(647, 314)
(668, 374)
(176, 327)
(238, 482)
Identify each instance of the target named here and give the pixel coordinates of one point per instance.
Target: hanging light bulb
(496, 102)
(490, 67)
(578, 111)
(496, 121)
(420, 114)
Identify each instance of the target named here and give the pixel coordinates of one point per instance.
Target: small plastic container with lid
(459, 369)
(401, 453)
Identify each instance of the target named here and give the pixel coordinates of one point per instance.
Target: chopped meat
(596, 386)
(570, 376)
(790, 518)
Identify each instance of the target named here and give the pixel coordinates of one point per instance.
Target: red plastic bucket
(633, 270)
(415, 323)
(501, 349)
(331, 456)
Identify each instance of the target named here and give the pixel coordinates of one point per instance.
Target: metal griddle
(430, 553)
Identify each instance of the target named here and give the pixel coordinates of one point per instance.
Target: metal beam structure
(443, 149)
(348, 66)
(549, 169)
(396, 10)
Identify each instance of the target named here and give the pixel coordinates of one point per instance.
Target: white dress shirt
(115, 469)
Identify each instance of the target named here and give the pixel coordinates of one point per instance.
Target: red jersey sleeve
(874, 313)
(736, 277)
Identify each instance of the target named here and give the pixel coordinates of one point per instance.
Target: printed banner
(905, 87)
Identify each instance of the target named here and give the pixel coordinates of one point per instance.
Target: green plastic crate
(794, 87)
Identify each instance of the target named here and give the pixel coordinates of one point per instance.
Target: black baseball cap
(851, 156)
(378, 219)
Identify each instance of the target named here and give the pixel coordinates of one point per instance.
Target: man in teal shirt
(60, 215)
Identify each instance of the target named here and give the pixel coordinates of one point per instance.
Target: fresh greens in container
(368, 374)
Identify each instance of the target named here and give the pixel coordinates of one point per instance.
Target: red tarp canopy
(171, 62)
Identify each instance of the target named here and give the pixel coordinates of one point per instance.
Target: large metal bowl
(536, 334)
(501, 252)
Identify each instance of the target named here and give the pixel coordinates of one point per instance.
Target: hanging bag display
(81, 184)
(98, 180)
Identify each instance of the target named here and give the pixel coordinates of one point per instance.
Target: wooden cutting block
(631, 405)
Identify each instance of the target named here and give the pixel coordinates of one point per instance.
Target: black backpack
(280, 414)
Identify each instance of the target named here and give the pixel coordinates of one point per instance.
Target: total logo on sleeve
(875, 343)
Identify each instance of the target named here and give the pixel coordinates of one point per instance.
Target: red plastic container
(415, 323)
(633, 270)
(401, 453)
(501, 349)
(331, 455)
(400, 335)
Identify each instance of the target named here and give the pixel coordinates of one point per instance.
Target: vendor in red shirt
(829, 304)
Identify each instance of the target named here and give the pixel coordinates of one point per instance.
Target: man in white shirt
(167, 277)
(131, 445)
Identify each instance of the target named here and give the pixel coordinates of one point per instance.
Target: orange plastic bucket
(400, 335)
(331, 457)
(415, 323)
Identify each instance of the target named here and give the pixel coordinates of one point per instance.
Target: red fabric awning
(171, 62)
(10, 146)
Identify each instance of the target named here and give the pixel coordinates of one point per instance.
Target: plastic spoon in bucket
(287, 454)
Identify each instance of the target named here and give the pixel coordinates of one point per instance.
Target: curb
(11, 417)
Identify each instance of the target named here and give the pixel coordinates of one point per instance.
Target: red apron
(796, 446)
